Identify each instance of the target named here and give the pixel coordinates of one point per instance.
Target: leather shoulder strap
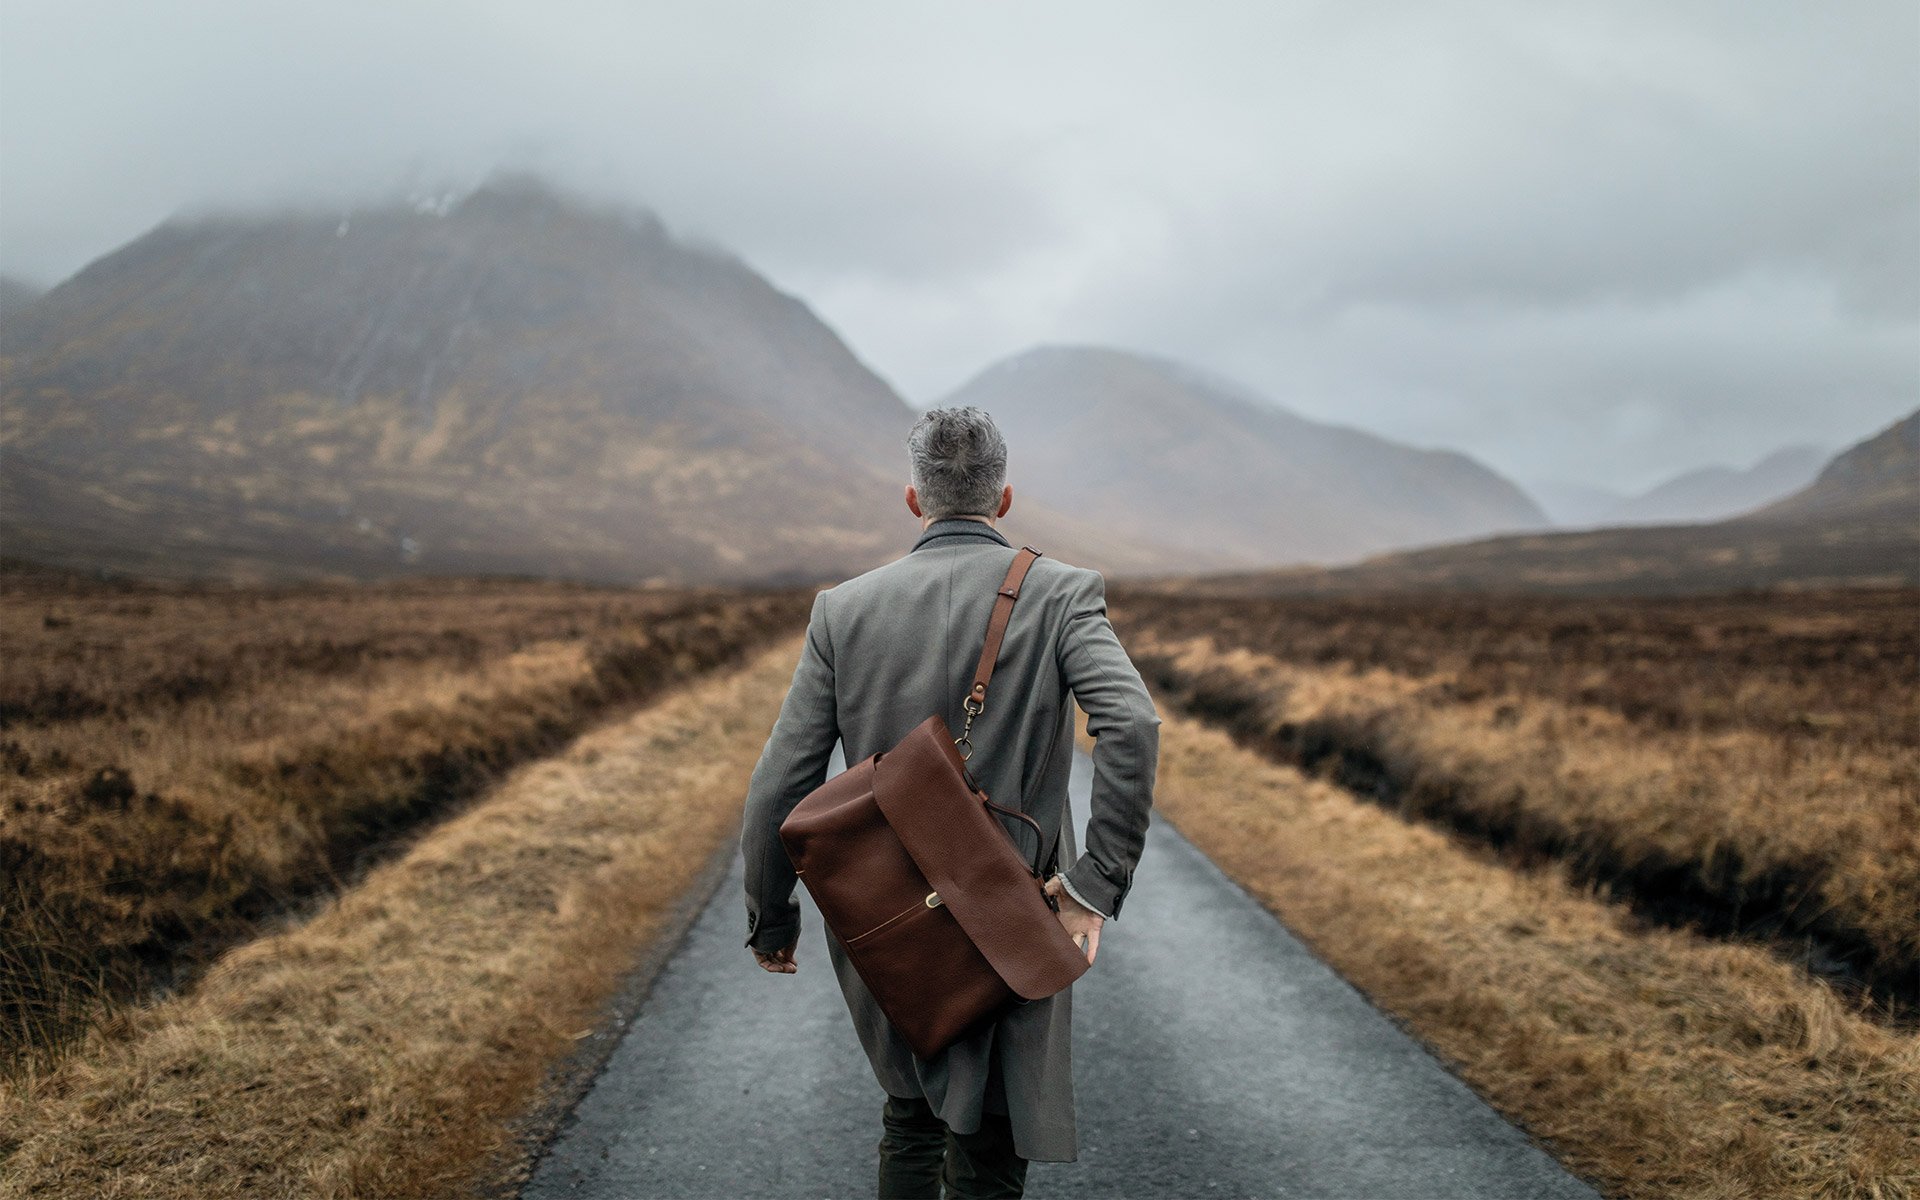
(997, 624)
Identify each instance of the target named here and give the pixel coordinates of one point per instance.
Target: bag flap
(965, 853)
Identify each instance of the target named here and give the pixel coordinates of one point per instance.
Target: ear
(1006, 501)
(913, 502)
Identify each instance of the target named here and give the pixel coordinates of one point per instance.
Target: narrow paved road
(1213, 1055)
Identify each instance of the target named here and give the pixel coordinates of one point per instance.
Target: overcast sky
(1593, 242)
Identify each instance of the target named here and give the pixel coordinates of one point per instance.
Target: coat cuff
(1108, 911)
(770, 937)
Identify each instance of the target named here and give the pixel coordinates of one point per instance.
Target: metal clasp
(933, 900)
(974, 708)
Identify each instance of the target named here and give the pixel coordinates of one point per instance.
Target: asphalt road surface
(1214, 1056)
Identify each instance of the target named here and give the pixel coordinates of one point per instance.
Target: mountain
(1714, 493)
(513, 381)
(1879, 479)
(16, 295)
(1857, 524)
(1191, 460)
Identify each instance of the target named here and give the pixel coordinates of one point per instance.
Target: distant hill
(1188, 459)
(1858, 524)
(516, 381)
(1877, 479)
(16, 295)
(1715, 493)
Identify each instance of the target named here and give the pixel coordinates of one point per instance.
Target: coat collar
(949, 530)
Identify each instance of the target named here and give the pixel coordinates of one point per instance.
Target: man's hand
(780, 961)
(1081, 923)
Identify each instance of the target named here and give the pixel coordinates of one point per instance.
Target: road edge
(532, 1134)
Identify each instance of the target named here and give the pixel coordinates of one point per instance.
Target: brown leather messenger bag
(941, 914)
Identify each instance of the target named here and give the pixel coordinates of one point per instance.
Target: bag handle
(1011, 812)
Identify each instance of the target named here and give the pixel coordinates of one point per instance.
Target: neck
(926, 521)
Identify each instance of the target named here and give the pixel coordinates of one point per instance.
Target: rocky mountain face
(1190, 460)
(514, 381)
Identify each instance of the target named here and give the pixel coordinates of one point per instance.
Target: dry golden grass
(1720, 805)
(1655, 1062)
(1800, 665)
(177, 762)
(383, 1048)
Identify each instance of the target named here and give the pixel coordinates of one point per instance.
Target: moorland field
(1749, 763)
(179, 762)
(1644, 871)
(346, 870)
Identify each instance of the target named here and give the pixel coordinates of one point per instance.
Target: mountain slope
(1858, 524)
(1877, 479)
(16, 295)
(1715, 493)
(519, 381)
(1191, 460)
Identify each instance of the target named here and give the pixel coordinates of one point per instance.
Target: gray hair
(959, 462)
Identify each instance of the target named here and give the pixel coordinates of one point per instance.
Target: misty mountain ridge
(1710, 493)
(1856, 525)
(1188, 458)
(1876, 480)
(1716, 493)
(509, 381)
(516, 380)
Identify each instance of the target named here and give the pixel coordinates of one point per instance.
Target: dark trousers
(918, 1152)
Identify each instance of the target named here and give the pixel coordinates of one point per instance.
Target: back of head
(959, 462)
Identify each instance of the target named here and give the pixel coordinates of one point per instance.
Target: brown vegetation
(1653, 1061)
(1811, 551)
(1745, 765)
(177, 763)
(386, 1047)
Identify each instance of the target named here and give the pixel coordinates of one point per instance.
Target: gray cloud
(1602, 242)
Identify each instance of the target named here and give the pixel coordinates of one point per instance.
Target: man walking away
(882, 651)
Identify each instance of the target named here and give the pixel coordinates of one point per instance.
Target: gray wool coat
(888, 648)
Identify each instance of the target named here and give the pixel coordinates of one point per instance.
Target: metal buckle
(933, 900)
(974, 708)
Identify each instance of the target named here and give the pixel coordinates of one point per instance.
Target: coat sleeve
(1126, 748)
(793, 763)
